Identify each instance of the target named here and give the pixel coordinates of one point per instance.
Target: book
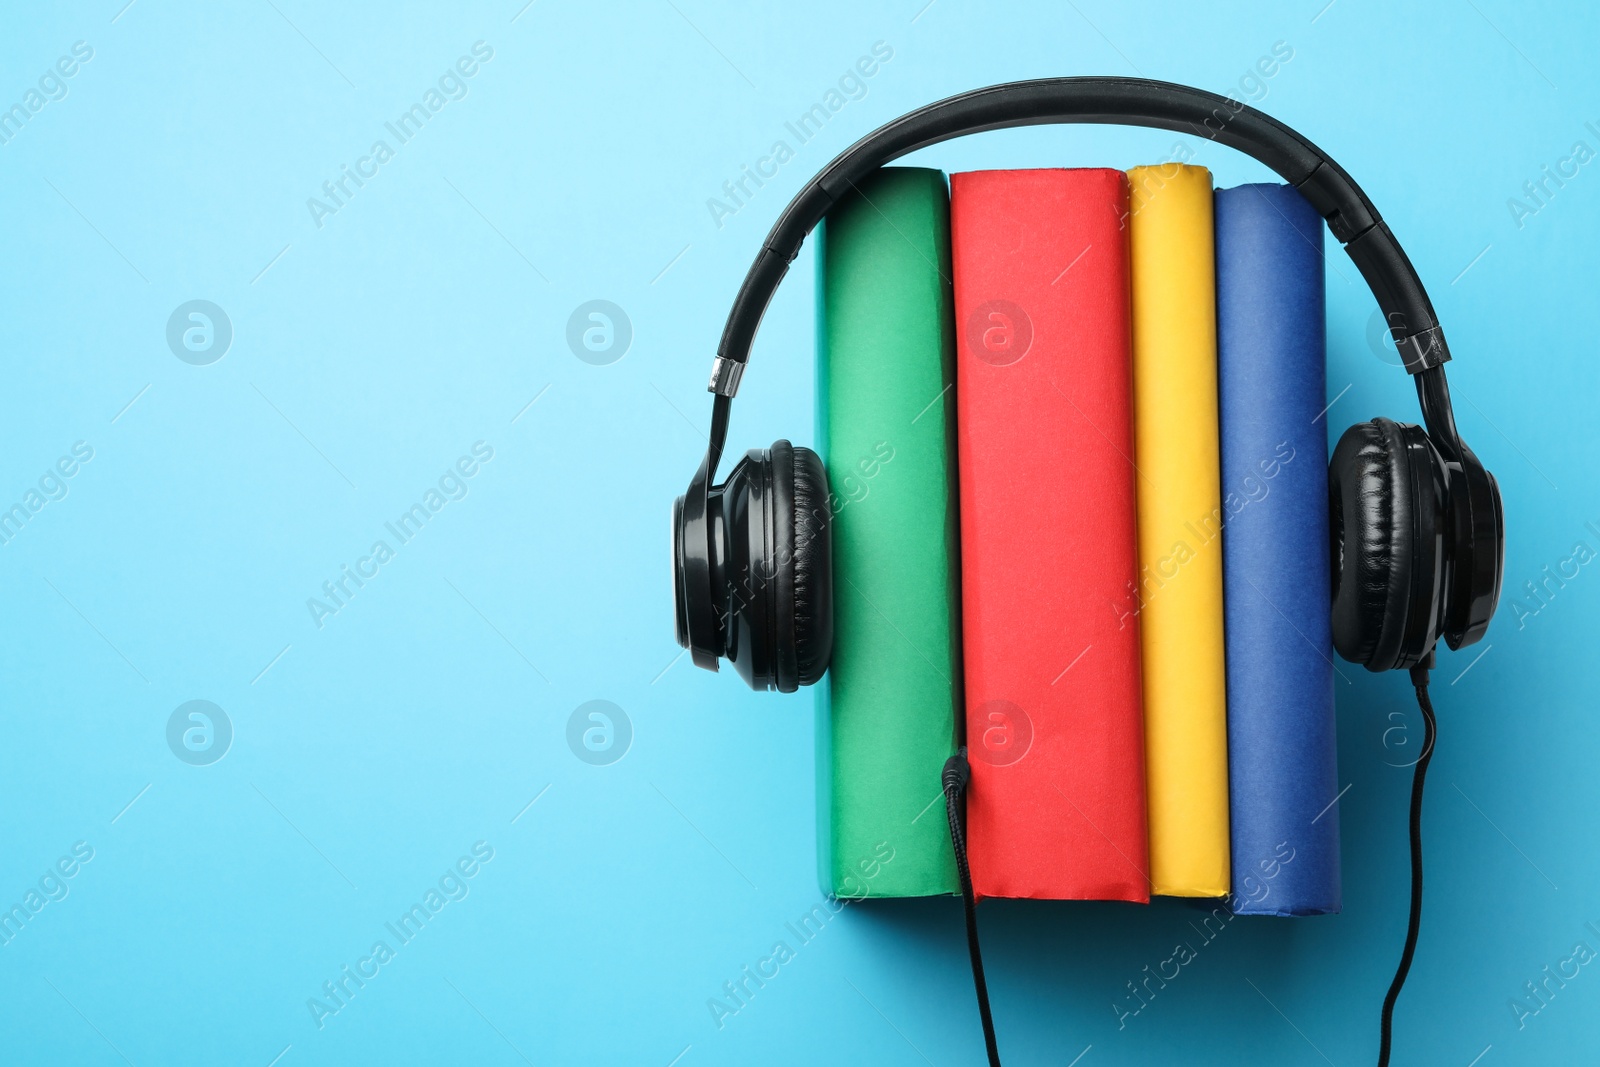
(888, 708)
(1281, 739)
(1056, 806)
(1180, 528)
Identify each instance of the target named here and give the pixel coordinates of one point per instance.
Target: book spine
(1180, 528)
(1281, 737)
(1051, 639)
(887, 711)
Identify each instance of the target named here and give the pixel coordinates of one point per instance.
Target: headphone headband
(1117, 101)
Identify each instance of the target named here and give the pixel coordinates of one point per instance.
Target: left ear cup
(1385, 490)
(813, 567)
(766, 570)
(799, 573)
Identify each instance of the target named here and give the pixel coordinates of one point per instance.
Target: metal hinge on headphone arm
(725, 375)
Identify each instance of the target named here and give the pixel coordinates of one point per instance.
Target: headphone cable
(1419, 679)
(957, 773)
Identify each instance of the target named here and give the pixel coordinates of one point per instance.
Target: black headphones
(1417, 538)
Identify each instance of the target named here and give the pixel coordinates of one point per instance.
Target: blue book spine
(1282, 751)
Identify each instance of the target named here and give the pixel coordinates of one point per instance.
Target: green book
(889, 708)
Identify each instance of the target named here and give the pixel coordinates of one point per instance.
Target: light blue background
(424, 717)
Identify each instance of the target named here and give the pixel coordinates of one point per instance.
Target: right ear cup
(1385, 489)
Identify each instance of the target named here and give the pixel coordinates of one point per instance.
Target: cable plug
(957, 772)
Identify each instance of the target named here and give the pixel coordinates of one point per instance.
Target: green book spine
(887, 712)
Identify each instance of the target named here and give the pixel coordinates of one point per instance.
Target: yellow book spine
(1180, 528)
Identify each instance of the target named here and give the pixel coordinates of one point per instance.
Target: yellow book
(1180, 528)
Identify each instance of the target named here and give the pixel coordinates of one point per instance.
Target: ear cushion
(813, 567)
(1370, 493)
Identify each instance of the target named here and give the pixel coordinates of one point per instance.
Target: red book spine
(1048, 544)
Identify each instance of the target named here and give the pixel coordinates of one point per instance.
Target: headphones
(1417, 538)
(1417, 534)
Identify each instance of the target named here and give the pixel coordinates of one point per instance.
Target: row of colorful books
(1073, 421)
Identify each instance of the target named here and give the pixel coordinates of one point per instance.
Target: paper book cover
(1180, 527)
(1056, 807)
(888, 708)
(1281, 731)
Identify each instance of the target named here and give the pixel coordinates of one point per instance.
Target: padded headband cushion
(813, 567)
(1369, 489)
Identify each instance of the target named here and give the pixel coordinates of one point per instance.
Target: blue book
(1272, 351)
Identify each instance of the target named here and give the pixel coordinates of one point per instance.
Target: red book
(1050, 623)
